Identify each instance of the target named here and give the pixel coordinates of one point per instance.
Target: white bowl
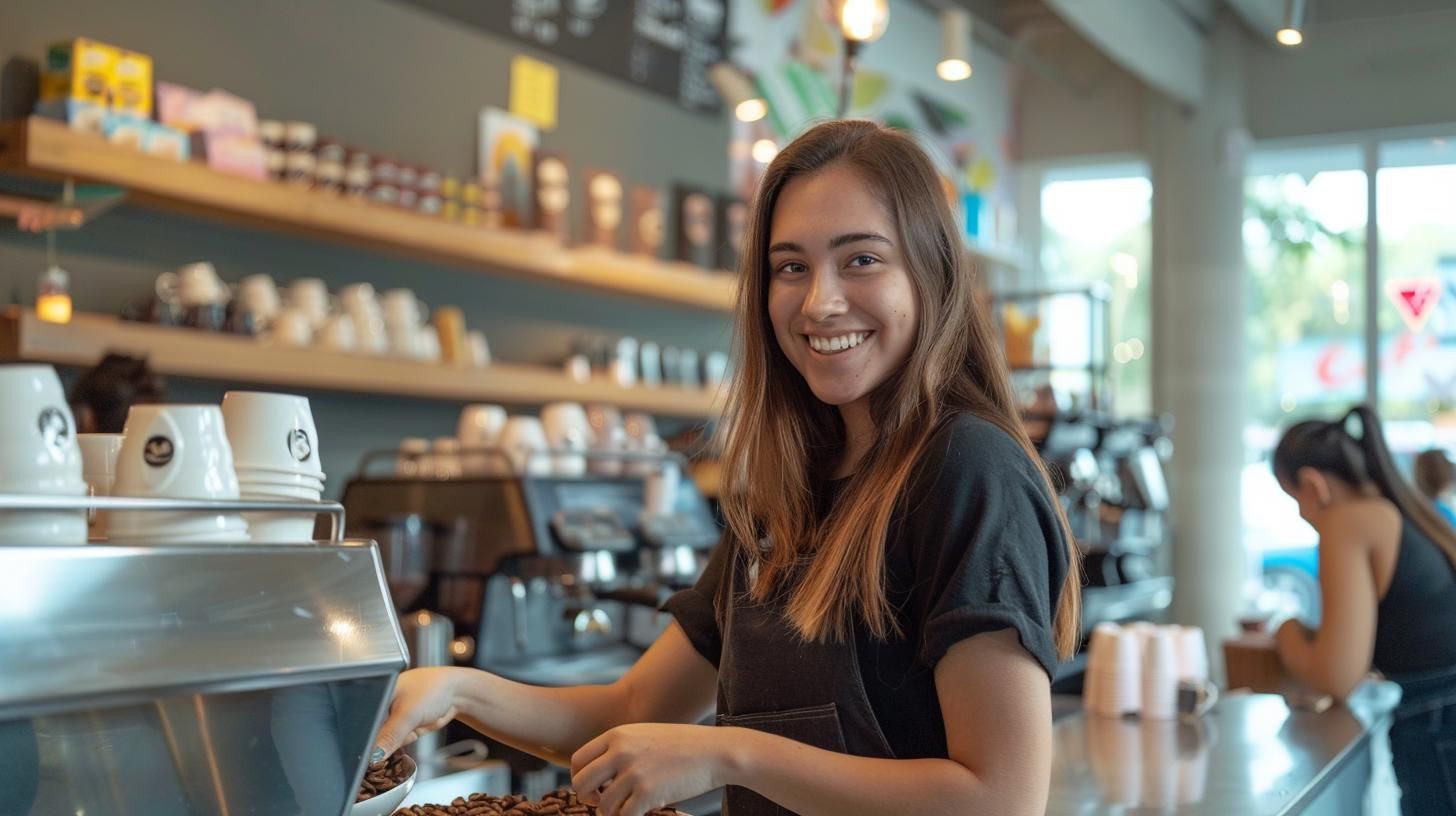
(385, 803)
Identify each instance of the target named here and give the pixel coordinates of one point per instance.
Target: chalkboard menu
(665, 46)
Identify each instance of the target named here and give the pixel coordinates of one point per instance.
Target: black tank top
(1416, 627)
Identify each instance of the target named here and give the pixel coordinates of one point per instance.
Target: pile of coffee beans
(385, 775)
(557, 803)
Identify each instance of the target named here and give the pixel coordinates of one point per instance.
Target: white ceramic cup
(480, 426)
(1121, 685)
(98, 468)
(338, 334)
(568, 433)
(37, 434)
(259, 295)
(291, 327)
(642, 437)
(359, 298)
(195, 284)
(401, 307)
(179, 452)
(404, 340)
(272, 432)
(40, 456)
(371, 334)
(608, 436)
(523, 438)
(427, 345)
(479, 348)
(310, 296)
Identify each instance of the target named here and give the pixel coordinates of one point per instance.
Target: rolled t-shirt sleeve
(695, 608)
(988, 548)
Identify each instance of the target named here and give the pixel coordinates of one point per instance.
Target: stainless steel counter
(1252, 755)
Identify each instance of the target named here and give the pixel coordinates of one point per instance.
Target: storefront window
(1416, 206)
(1096, 231)
(1304, 243)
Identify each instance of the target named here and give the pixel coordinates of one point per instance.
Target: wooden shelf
(48, 149)
(231, 359)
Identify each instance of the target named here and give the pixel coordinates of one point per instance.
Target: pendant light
(955, 45)
(1292, 32)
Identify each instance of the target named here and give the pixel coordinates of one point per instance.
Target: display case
(194, 679)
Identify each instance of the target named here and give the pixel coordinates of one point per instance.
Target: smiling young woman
(878, 630)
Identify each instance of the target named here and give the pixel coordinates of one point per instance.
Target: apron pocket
(813, 725)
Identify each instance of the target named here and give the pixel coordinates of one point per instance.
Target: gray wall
(398, 81)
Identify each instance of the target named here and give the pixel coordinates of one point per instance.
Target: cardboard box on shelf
(81, 116)
(166, 142)
(80, 69)
(232, 153)
(131, 87)
(128, 131)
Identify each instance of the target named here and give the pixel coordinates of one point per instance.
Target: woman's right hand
(424, 701)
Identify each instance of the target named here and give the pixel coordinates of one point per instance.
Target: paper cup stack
(99, 452)
(276, 446)
(175, 452)
(41, 458)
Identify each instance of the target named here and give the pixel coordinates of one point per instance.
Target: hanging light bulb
(764, 151)
(862, 21)
(1291, 33)
(955, 45)
(738, 91)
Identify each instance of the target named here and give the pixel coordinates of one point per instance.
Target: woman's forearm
(551, 723)
(814, 782)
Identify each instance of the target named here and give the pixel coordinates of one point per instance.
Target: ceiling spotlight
(1291, 33)
(955, 45)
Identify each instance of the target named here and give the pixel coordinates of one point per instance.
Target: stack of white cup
(1160, 674)
(360, 303)
(404, 323)
(1114, 672)
(38, 438)
(175, 452)
(277, 459)
(99, 452)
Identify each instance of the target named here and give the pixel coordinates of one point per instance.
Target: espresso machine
(549, 580)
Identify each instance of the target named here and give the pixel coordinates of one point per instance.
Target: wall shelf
(231, 359)
(48, 149)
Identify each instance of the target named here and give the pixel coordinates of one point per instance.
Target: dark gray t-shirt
(976, 547)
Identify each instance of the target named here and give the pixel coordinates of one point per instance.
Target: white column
(1197, 161)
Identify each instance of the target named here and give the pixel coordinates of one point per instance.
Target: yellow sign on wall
(533, 91)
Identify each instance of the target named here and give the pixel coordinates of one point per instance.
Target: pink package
(232, 153)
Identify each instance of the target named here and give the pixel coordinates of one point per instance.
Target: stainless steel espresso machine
(548, 580)
(189, 680)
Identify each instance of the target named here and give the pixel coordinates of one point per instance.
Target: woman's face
(839, 296)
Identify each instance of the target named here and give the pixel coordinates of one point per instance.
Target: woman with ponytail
(1388, 578)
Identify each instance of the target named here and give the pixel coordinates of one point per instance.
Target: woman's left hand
(632, 769)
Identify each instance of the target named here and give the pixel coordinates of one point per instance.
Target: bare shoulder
(1362, 523)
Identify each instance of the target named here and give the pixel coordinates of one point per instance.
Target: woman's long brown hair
(779, 438)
